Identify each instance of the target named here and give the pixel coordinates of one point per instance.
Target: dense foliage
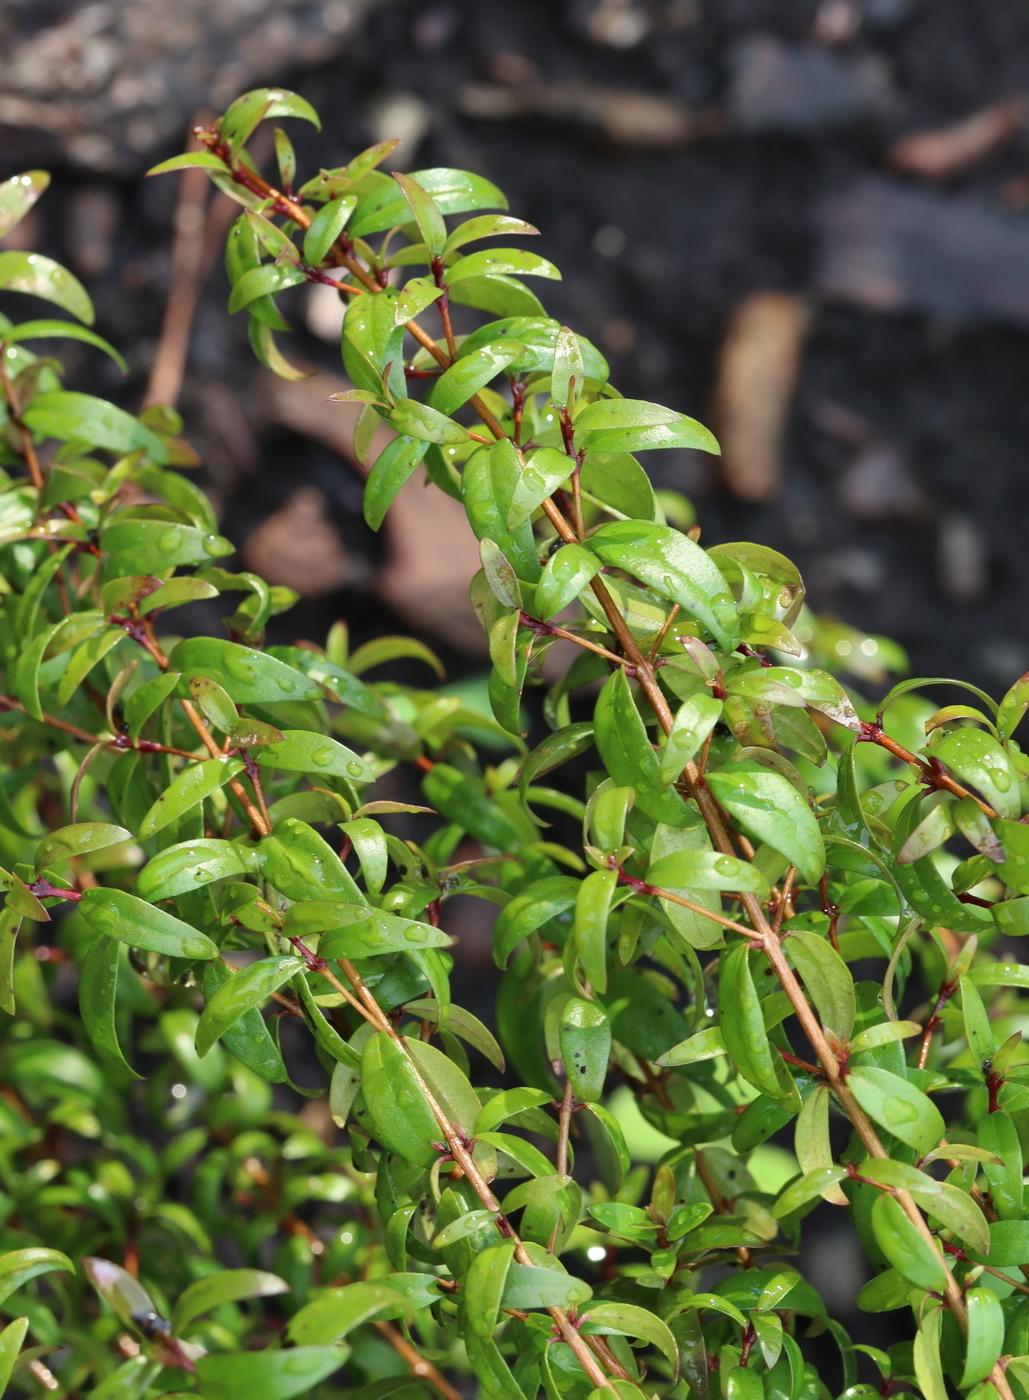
(206, 898)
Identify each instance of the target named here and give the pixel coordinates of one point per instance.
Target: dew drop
(725, 865)
(286, 684)
(212, 545)
(169, 540)
(202, 875)
(355, 769)
(322, 757)
(414, 934)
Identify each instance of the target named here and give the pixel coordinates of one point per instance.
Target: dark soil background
(679, 156)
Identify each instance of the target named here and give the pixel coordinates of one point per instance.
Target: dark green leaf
(78, 840)
(249, 988)
(76, 417)
(250, 677)
(771, 810)
(189, 789)
(98, 987)
(267, 1375)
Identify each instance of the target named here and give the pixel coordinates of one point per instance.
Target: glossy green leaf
(98, 989)
(484, 1287)
(453, 192)
(130, 920)
(189, 789)
(326, 227)
(339, 1310)
(985, 1340)
(675, 567)
(400, 1116)
(500, 262)
(42, 277)
(394, 465)
(268, 1374)
(418, 420)
(142, 703)
(227, 1286)
(303, 866)
(18, 1266)
(62, 330)
(248, 1037)
(355, 931)
(250, 987)
(300, 751)
(625, 747)
(977, 758)
(566, 573)
(250, 677)
(74, 417)
(828, 981)
(898, 1106)
(996, 1133)
(13, 1335)
(706, 870)
(78, 840)
(743, 1028)
(694, 721)
(905, 1247)
(471, 373)
(771, 810)
(633, 1321)
(589, 929)
(585, 1041)
(18, 195)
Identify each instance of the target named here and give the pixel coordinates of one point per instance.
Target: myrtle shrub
(207, 896)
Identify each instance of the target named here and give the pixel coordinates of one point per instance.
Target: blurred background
(803, 221)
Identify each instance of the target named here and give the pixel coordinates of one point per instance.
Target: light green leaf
(42, 277)
(189, 789)
(228, 1286)
(238, 994)
(771, 810)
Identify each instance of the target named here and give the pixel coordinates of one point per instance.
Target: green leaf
(78, 840)
(401, 1119)
(628, 755)
(926, 1353)
(500, 261)
(19, 194)
(884, 1034)
(924, 887)
(247, 112)
(996, 1133)
(507, 1104)
(13, 1335)
(383, 649)
(301, 751)
(977, 758)
(589, 930)
(42, 277)
(985, 1339)
(1009, 1244)
(706, 870)
(267, 280)
(268, 1374)
(136, 546)
(175, 593)
(227, 1286)
(585, 1039)
(540, 902)
(214, 703)
(393, 467)
(469, 374)
(694, 721)
(426, 215)
(61, 330)
(142, 703)
(500, 576)
(326, 227)
(484, 1287)
(190, 160)
(140, 925)
(250, 677)
(705, 1045)
(530, 1286)
(905, 1247)
(743, 1028)
(18, 1266)
(1013, 707)
(631, 1321)
(248, 1038)
(978, 1030)
(675, 567)
(771, 810)
(418, 420)
(303, 866)
(186, 791)
(684, 432)
(369, 842)
(339, 1310)
(76, 417)
(566, 573)
(896, 1105)
(98, 988)
(454, 192)
(354, 931)
(623, 413)
(828, 980)
(238, 994)
(85, 657)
